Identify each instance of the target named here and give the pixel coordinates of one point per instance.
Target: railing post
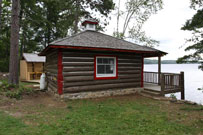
(162, 83)
(142, 73)
(182, 85)
(172, 81)
(159, 70)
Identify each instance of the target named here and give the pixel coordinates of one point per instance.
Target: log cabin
(91, 64)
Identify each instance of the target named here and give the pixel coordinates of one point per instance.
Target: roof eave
(156, 53)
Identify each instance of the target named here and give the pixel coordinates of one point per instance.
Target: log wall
(51, 70)
(78, 71)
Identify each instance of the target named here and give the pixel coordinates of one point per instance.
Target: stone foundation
(96, 94)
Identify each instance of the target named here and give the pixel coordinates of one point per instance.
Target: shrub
(173, 96)
(14, 91)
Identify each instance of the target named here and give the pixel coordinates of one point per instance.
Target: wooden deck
(165, 83)
(154, 87)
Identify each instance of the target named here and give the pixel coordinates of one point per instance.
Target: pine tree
(0, 16)
(14, 40)
(195, 25)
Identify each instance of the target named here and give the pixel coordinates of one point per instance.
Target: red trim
(142, 73)
(94, 48)
(95, 66)
(60, 73)
(85, 22)
(103, 49)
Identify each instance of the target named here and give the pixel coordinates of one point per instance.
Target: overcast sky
(165, 27)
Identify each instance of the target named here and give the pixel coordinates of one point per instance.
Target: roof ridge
(125, 40)
(62, 39)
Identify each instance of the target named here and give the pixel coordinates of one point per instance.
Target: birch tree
(136, 13)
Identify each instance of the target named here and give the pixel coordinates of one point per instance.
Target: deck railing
(151, 77)
(169, 82)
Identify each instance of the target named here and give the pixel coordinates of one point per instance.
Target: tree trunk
(118, 17)
(22, 35)
(0, 16)
(14, 40)
(76, 17)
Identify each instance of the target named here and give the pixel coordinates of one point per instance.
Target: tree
(53, 19)
(195, 25)
(5, 35)
(91, 9)
(0, 15)
(42, 21)
(14, 40)
(136, 13)
(196, 4)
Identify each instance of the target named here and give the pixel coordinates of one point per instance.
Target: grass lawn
(43, 114)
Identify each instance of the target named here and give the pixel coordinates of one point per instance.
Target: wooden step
(155, 91)
(151, 92)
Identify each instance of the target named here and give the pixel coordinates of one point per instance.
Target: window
(106, 67)
(91, 26)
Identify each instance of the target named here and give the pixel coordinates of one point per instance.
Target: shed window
(106, 67)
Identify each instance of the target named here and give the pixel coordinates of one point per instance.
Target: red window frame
(95, 68)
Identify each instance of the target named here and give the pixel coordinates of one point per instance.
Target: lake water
(193, 79)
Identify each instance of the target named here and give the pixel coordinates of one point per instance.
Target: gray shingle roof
(100, 40)
(31, 57)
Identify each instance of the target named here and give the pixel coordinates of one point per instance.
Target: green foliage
(5, 35)
(42, 21)
(201, 89)
(196, 4)
(14, 91)
(173, 96)
(98, 10)
(118, 35)
(195, 25)
(136, 13)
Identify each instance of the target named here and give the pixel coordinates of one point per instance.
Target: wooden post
(182, 83)
(159, 70)
(33, 70)
(162, 83)
(142, 73)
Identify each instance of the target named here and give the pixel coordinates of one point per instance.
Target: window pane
(99, 60)
(101, 69)
(111, 61)
(109, 69)
(105, 61)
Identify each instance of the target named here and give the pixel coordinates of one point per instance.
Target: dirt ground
(17, 108)
(3, 76)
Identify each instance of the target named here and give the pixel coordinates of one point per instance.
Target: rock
(173, 100)
(96, 94)
(179, 101)
(190, 102)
